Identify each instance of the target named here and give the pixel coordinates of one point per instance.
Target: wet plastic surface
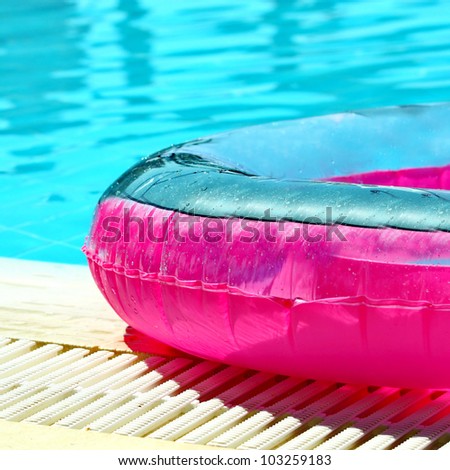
(362, 296)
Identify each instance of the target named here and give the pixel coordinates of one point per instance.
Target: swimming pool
(88, 87)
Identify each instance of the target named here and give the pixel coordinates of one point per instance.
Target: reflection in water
(136, 42)
(287, 55)
(88, 87)
(41, 55)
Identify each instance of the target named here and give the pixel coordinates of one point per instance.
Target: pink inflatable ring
(318, 247)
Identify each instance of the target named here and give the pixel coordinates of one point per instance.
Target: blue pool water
(87, 87)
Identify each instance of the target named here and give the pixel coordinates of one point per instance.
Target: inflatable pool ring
(317, 247)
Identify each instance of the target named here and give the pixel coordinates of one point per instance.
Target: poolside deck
(69, 380)
(57, 303)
